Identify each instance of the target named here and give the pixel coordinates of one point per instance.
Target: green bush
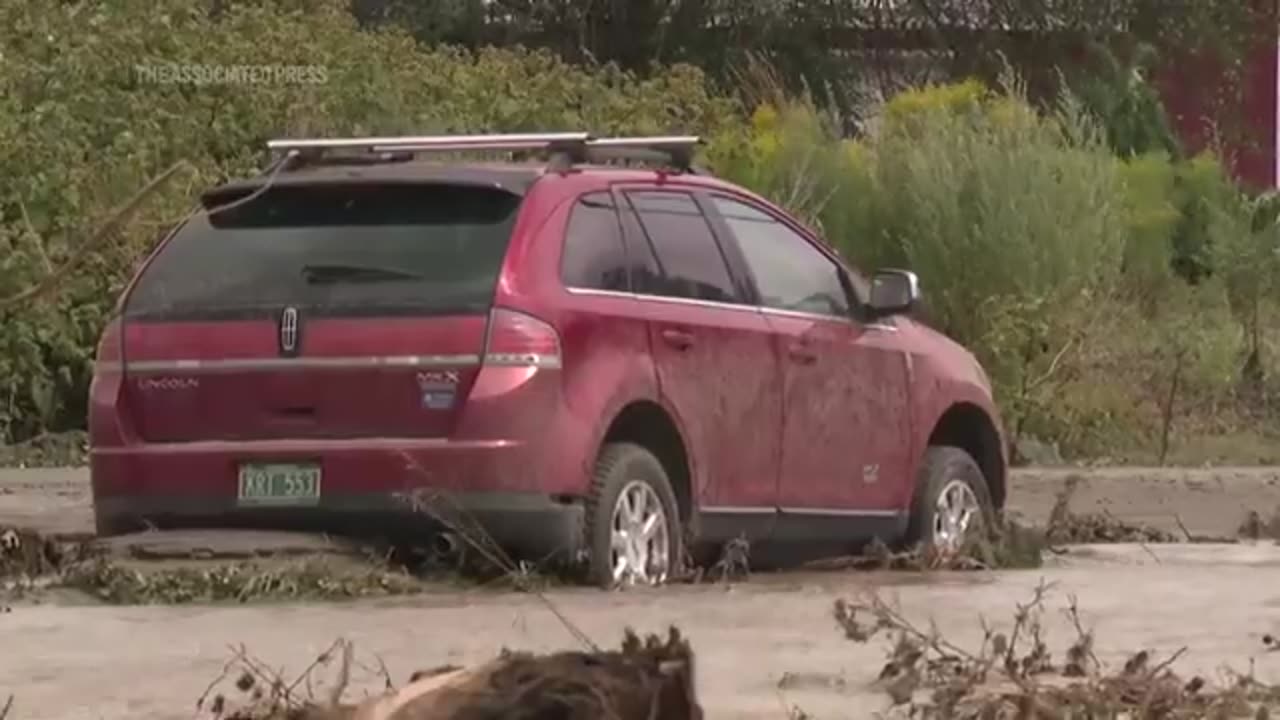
(1052, 258)
(1011, 219)
(1151, 220)
(84, 124)
(1060, 264)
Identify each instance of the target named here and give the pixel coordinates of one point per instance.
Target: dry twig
(1029, 684)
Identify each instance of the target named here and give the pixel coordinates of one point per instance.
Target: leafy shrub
(1010, 218)
(1151, 220)
(85, 120)
(1053, 259)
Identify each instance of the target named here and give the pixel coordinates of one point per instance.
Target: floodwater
(74, 663)
(66, 662)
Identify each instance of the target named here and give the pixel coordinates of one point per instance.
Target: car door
(846, 429)
(715, 356)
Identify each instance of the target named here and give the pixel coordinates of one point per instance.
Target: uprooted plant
(645, 678)
(1014, 674)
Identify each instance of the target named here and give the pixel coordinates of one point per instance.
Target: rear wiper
(353, 273)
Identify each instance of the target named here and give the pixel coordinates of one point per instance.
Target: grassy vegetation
(1121, 303)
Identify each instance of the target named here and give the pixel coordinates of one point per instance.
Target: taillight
(109, 356)
(107, 426)
(520, 340)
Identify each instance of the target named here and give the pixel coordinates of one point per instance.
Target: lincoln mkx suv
(623, 365)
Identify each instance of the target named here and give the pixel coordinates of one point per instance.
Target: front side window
(790, 273)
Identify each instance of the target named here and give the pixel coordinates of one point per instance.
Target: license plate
(279, 484)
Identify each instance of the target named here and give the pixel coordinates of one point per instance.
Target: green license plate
(279, 484)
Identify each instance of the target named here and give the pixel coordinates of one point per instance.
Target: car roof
(514, 177)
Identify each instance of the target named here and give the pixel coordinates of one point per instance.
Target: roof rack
(564, 149)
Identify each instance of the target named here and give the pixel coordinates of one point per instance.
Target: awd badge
(438, 388)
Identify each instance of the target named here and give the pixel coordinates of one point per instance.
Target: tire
(944, 466)
(631, 468)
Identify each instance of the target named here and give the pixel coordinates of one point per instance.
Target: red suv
(618, 363)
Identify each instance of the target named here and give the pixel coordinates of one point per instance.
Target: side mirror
(894, 292)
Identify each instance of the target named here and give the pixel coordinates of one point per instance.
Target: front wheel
(952, 506)
(632, 519)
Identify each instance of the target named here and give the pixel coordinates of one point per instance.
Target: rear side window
(593, 255)
(790, 273)
(335, 249)
(690, 264)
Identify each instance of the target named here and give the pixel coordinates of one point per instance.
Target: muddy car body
(586, 359)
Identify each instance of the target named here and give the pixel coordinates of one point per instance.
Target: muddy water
(73, 663)
(1210, 501)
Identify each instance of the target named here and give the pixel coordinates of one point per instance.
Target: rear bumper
(367, 488)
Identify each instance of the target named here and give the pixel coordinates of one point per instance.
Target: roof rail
(564, 149)
(677, 150)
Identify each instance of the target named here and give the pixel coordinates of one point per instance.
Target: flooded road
(1208, 501)
(86, 663)
(70, 662)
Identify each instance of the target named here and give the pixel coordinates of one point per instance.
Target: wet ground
(70, 662)
(73, 663)
(1209, 501)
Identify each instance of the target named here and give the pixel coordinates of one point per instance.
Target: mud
(1204, 501)
(71, 661)
(74, 663)
(1209, 501)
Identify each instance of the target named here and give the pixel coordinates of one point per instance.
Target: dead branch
(344, 675)
(482, 542)
(104, 231)
(321, 659)
(646, 678)
(35, 238)
(8, 705)
(961, 688)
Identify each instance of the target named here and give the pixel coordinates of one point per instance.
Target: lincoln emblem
(289, 331)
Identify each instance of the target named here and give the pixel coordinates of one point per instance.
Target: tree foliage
(838, 50)
(87, 117)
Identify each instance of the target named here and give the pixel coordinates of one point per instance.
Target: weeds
(69, 449)
(1066, 527)
(25, 554)
(1256, 527)
(311, 579)
(1015, 675)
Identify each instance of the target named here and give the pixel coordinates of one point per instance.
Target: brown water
(71, 663)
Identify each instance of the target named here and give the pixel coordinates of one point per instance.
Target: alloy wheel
(640, 544)
(957, 513)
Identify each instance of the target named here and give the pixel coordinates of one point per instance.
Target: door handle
(802, 353)
(678, 339)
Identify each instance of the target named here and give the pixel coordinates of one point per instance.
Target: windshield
(334, 249)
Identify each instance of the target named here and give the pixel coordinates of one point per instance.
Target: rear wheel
(632, 519)
(952, 506)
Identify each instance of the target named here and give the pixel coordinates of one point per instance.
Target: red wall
(1193, 85)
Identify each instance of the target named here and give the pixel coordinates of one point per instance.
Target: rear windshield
(334, 249)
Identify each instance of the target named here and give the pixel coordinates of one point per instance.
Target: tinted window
(689, 260)
(593, 253)
(645, 277)
(344, 249)
(790, 273)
